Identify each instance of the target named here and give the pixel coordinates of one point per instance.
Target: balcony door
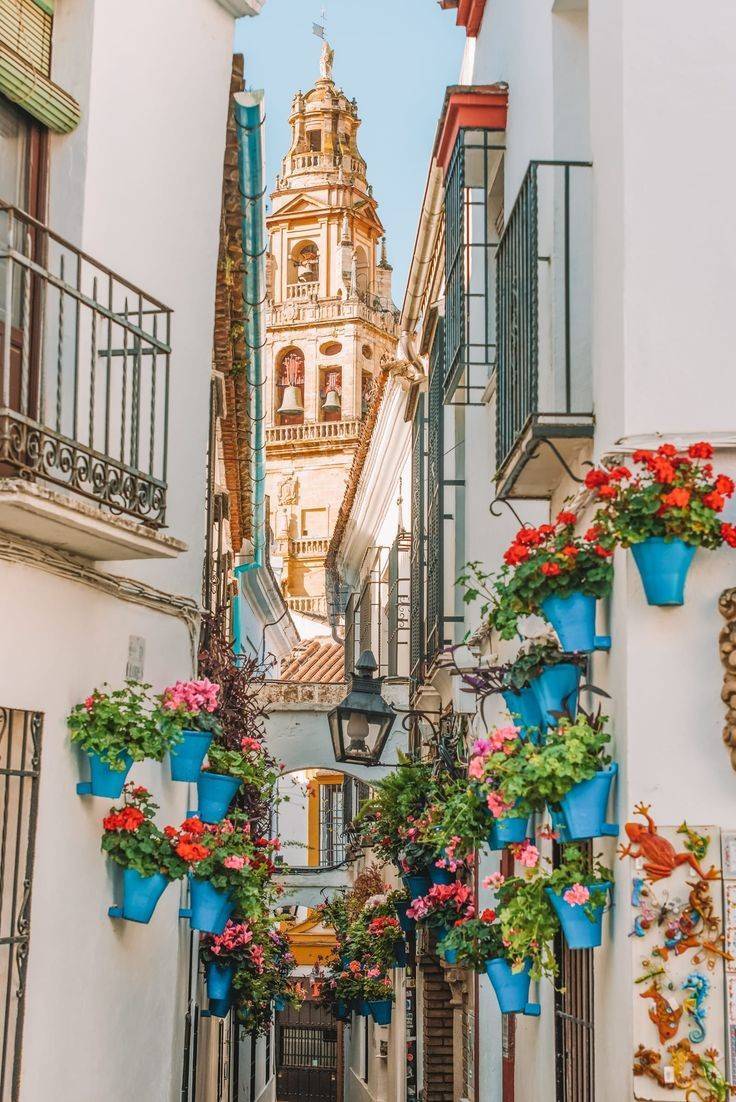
(22, 184)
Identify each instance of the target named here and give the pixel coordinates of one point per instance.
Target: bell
(332, 402)
(291, 402)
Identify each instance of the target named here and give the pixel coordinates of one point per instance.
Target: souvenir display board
(679, 946)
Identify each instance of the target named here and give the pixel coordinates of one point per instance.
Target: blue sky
(396, 57)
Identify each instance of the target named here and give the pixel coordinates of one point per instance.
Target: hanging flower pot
(416, 884)
(140, 896)
(342, 1011)
(400, 957)
(219, 1008)
(511, 988)
(215, 793)
(556, 690)
(380, 1011)
(573, 618)
(663, 567)
(439, 875)
(219, 980)
(210, 908)
(407, 924)
(449, 955)
(584, 807)
(524, 705)
(361, 1008)
(187, 756)
(104, 780)
(507, 832)
(580, 930)
(279, 1004)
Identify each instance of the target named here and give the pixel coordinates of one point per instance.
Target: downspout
(249, 119)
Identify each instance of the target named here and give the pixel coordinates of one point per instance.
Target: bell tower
(330, 326)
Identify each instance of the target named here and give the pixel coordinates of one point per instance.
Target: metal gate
(306, 1055)
(20, 760)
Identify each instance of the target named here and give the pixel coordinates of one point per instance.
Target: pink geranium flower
(526, 854)
(577, 895)
(495, 880)
(496, 804)
(502, 735)
(477, 768)
(235, 861)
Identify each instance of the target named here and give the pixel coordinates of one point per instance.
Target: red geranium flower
(603, 552)
(192, 852)
(597, 478)
(701, 450)
(617, 473)
(566, 518)
(551, 569)
(516, 554)
(714, 501)
(570, 551)
(678, 498)
(488, 915)
(728, 534)
(725, 485)
(593, 532)
(193, 826)
(669, 450)
(607, 492)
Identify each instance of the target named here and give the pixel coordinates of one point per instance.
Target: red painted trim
(469, 14)
(479, 108)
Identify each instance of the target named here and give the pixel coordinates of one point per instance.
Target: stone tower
(330, 325)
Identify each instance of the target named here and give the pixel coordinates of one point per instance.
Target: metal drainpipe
(249, 119)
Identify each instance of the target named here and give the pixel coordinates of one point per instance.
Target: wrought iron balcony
(543, 300)
(84, 373)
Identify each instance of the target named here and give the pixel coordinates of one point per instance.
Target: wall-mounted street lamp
(362, 722)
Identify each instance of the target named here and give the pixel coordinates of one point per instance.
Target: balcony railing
(302, 291)
(313, 432)
(308, 309)
(309, 606)
(543, 299)
(309, 547)
(84, 373)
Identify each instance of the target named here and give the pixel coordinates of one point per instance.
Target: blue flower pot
(573, 618)
(400, 957)
(580, 931)
(141, 894)
(342, 1010)
(210, 908)
(381, 1011)
(185, 759)
(663, 566)
(219, 1008)
(511, 988)
(524, 706)
(417, 884)
(219, 980)
(507, 832)
(215, 793)
(556, 690)
(558, 825)
(279, 1004)
(361, 1008)
(106, 781)
(407, 924)
(440, 876)
(584, 807)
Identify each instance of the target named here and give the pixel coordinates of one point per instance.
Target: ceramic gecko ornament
(659, 856)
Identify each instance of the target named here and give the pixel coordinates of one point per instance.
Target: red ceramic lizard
(661, 858)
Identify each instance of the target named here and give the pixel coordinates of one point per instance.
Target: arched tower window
(362, 272)
(304, 263)
(330, 394)
(290, 388)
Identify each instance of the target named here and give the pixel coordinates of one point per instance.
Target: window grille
(417, 642)
(435, 497)
(574, 1023)
(20, 761)
(308, 1046)
(543, 305)
(332, 841)
(473, 194)
(397, 611)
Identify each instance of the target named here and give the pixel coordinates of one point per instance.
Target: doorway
(306, 1055)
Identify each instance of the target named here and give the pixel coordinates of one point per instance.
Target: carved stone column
(727, 646)
(457, 979)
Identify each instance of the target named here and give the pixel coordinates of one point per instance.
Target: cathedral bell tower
(330, 325)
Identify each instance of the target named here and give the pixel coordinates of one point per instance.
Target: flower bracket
(115, 912)
(84, 788)
(185, 912)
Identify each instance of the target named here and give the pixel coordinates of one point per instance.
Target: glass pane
(14, 138)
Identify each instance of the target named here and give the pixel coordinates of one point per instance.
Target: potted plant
(378, 994)
(227, 771)
(528, 928)
(552, 676)
(571, 772)
(185, 714)
(493, 764)
(133, 841)
(400, 900)
(115, 728)
(552, 572)
(221, 954)
(577, 890)
(227, 867)
(664, 511)
(442, 907)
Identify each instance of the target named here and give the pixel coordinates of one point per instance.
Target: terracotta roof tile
(316, 660)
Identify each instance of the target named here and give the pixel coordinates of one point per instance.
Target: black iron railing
(84, 372)
(473, 197)
(20, 763)
(542, 301)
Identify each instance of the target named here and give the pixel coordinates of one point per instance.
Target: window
(304, 263)
(314, 140)
(20, 762)
(397, 610)
(315, 523)
(473, 198)
(290, 388)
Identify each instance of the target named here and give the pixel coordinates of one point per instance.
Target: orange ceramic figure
(660, 856)
(665, 1017)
